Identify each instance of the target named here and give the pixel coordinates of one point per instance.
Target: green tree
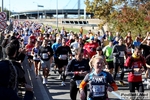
(7, 12)
(122, 15)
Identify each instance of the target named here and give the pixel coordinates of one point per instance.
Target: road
(53, 91)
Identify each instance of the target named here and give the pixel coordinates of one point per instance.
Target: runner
(119, 52)
(77, 68)
(29, 48)
(45, 54)
(146, 52)
(54, 47)
(107, 50)
(91, 46)
(99, 52)
(62, 54)
(135, 63)
(99, 82)
(36, 58)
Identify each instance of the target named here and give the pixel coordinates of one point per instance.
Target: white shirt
(74, 45)
(25, 39)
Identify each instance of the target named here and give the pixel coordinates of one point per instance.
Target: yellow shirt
(106, 42)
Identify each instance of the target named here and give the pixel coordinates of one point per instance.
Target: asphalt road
(54, 91)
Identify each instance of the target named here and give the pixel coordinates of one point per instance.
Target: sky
(26, 5)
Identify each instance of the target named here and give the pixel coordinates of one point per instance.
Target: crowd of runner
(90, 57)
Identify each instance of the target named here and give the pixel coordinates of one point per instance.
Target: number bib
(137, 73)
(44, 55)
(78, 83)
(98, 90)
(63, 57)
(121, 54)
(29, 52)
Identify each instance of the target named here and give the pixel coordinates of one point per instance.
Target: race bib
(35, 57)
(78, 83)
(121, 54)
(63, 57)
(29, 52)
(137, 73)
(44, 55)
(98, 90)
(128, 50)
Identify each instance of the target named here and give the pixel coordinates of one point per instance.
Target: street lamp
(38, 9)
(2, 6)
(9, 8)
(57, 13)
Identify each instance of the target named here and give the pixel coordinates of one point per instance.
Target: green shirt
(108, 53)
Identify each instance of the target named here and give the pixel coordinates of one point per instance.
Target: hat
(92, 38)
(98, 48)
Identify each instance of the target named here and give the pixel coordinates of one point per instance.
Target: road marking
(117, 95)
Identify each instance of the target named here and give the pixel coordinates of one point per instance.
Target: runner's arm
(84, 82)
(112, 82)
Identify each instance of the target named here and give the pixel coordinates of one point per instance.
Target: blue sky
(25, 5)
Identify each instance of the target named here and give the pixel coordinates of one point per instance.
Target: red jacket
(135, 63)
(91, 48)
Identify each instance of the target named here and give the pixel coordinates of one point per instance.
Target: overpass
(47, 13)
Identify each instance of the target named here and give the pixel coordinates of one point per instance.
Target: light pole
(38, 9)
(2, 6)
(57, 13)
(79, 9)
(9, 8)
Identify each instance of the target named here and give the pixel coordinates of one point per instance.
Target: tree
(122, 15)
(8, 12)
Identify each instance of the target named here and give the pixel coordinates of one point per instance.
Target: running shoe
(44, 81)
(121, 83)
(63, 83)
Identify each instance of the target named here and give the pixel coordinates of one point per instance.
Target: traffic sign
(3, 24)
(3, 16)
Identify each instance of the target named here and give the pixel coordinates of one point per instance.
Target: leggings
(138, 85)
(74, 90)
(116, 66)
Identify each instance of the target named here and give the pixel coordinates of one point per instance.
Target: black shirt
(63, 50)
(43, 53)
(146, 50)
(76, 65)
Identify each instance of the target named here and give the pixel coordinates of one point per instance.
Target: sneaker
(63, 83)
(146, 81)
(121, 83)
(44, 82)
(59, 77)
(148, 86)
